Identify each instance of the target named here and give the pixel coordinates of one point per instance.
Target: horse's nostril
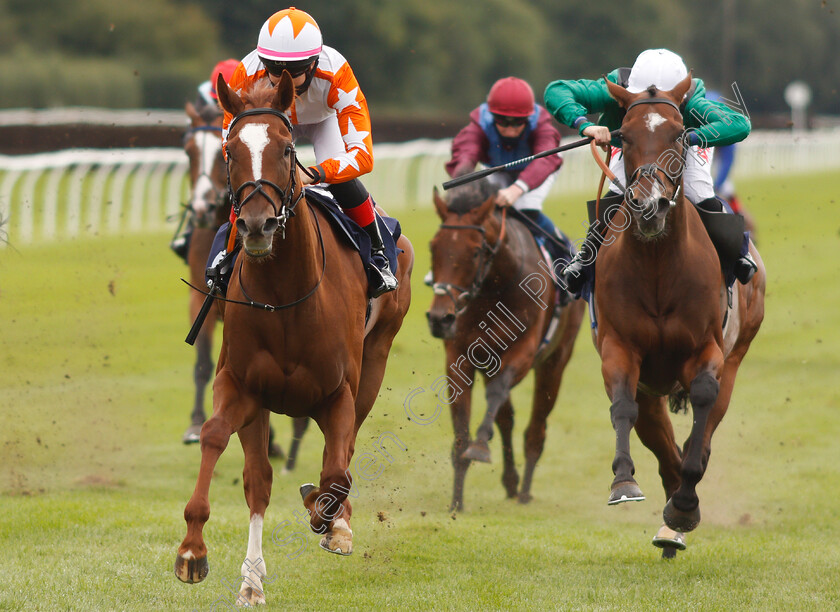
(241, 226)
(270, 226)
(448, 319)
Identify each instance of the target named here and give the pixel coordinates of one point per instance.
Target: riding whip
(474, 176)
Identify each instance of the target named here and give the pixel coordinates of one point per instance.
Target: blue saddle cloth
(351, 232)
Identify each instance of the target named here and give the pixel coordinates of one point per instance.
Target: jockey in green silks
(708, 124)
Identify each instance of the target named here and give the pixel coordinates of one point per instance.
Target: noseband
(288, 200)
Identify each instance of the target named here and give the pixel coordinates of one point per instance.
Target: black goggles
(295, 69)
(505, 121)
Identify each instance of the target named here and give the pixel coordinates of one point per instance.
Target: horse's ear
(285, 93)
(227, 98)
(621, 95)
(192, 113)
(440, 205)
(486, 208)
(678, 92)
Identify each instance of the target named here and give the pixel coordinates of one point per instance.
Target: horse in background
(660, 301)
(495, 309)
(209, 208)
(296, 339)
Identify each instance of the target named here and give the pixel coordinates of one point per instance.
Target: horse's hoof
(192, 435)
(477, 451)
(306, 489)
(669, 541)
(249, 596)
(625, 492)
(339, 539)
(679, 520)
(191, 570)
(525, 498)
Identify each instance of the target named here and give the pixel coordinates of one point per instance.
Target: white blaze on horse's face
(653, 120)
(209, 145)
(255, 137)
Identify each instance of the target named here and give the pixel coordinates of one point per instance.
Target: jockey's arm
(348, 101)
(570, 101)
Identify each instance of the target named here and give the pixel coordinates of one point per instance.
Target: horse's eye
(288, 151)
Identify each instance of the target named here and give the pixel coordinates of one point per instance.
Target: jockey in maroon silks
(509, 126)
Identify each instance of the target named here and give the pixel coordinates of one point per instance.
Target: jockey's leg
(218, 266)
(699, 189)
(358, 205)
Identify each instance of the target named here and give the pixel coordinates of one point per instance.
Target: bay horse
(209, 207)
(660, 302)
(493, 307)
(307, 351)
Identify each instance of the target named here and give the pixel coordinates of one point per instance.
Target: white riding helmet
(658, 67)
(290, 36)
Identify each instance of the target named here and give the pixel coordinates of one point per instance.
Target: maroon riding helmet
(511, 97)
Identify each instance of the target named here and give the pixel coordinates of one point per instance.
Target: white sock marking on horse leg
(255, 137)
(253, 568)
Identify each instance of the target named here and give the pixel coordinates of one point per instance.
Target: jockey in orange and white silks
(329, 110)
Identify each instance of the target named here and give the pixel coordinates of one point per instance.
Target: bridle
(221, 193)
(653, 170)
(288, 202)
(486, 252)
(288, 199)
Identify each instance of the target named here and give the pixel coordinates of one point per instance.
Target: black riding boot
(575, 274)
(744, 266)
(382, 280)
(350, 195)
(180, 245)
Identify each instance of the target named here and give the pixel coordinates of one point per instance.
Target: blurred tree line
(417, 57)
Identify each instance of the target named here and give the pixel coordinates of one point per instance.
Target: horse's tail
(678, 401)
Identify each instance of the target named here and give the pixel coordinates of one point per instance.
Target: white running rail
(83, 191)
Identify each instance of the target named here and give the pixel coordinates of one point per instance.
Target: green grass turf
(96, 391)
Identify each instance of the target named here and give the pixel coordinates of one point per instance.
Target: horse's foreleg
(257, 476)
(460, 410)
(682, 512)
(191, 561)
(328, 506)
(504, 421)
(621, 375)
(497, 393)
(299, 426)
(547, 378)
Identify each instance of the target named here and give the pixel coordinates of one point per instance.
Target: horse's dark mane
(260, 94)
(652, 91)
(468, 196)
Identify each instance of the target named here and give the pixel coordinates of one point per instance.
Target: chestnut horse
(306, 351)
(493, 308)
(210, 208)
(660, 302)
